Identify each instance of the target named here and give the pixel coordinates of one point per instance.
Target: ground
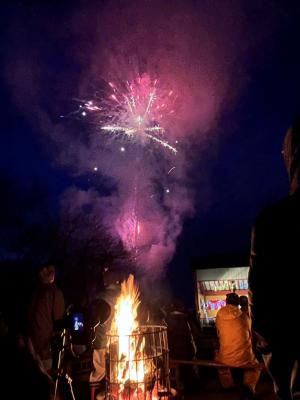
(207, 388)
(213, 391)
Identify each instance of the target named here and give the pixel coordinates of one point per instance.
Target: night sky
(235, 172)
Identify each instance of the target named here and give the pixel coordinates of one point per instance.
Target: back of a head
(232, 299)
(291, 153)
(244, 301)
(177, 305)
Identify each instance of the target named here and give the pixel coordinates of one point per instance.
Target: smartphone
(77, 322)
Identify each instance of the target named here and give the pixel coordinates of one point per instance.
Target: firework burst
(135, 110)
(141, 112)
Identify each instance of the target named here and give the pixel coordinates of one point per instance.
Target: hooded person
(235, 346)
(274, 261)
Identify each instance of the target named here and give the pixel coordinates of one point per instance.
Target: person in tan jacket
(235, 346)
(46, 308)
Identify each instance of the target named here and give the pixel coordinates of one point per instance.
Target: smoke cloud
(198, 49)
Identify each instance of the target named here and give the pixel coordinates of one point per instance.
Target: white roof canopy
(222, 274)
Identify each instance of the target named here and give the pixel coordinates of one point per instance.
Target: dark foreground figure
(22, 373)
(275, 262)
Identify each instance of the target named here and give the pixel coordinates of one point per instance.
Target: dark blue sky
(243, 174)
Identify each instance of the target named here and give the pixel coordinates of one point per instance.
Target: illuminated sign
(222, 285)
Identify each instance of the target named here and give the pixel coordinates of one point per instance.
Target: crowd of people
(242, 328)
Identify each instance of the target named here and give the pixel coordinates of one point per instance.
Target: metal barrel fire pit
(137, 365)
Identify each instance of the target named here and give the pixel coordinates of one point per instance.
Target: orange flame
(131, 366)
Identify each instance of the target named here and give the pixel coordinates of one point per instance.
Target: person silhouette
(275, 254)
(47, 307)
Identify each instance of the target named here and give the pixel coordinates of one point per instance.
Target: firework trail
(136, 112)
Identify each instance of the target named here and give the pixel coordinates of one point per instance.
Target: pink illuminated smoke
(193, 54)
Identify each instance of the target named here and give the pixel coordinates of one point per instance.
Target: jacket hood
(229, 312)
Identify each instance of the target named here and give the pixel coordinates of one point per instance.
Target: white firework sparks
(135, 111)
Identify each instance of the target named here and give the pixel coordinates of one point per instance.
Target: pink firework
(136, 110)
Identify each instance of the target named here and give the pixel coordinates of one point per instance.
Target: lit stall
(212, 286)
